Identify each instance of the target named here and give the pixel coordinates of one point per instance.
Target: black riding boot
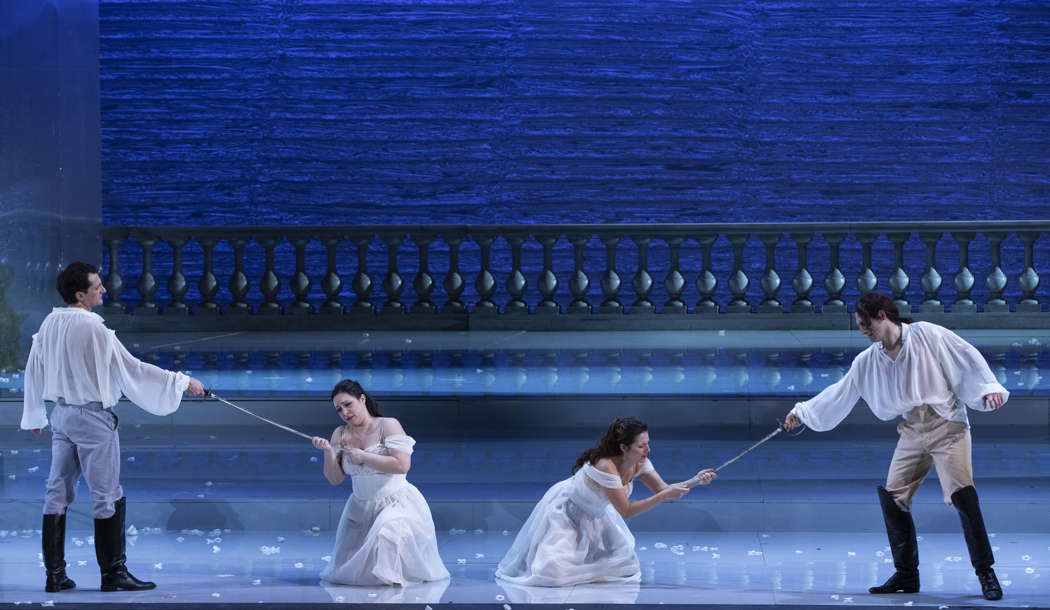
(900, 529)
(53, 539)
(965, 501)
(109, 549)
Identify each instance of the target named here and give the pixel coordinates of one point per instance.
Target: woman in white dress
(386, 534)
(577, 534)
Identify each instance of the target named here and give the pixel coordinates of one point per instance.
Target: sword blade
(751, 448)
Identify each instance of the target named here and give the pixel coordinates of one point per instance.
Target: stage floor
(678, 567)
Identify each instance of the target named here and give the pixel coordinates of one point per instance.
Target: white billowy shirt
(934, 367)
(76, 358)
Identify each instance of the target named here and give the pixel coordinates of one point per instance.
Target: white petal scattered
(1026, 557)
(280, 539)
(313, 458)
(715, 555)
(327, 559)
(33, 468)
(372, 594)
(479, 555)
(754, 553)
(847, 600)
(721, 333)
(213, 540)
(1029, 570)
(995, 548)
(298, 564)
(208, 483)
(659, 545)
(131, 459)
(505, 533)
(479, 531)
(215, 548)
(506, 606)
(461, 561)
(215, 595)
(256, 582)
(81, 562)
(798, 551)
(499, 598)
(851, 553)
(909, 603)
(269, 550)
(158, 566)
(1007, 583)
(180, 539)
(880, 553)
(48, 604)
(835, 596)
(132, 531)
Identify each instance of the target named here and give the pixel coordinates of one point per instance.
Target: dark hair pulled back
(869, 306)
(351, 387)
(622, 431)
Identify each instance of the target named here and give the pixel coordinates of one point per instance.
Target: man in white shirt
(78, 364)
(928, 375)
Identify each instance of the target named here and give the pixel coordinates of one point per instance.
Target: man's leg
(908, 468)
(59, 494)
(101, 462)
(952, 456)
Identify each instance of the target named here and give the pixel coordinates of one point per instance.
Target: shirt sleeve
(34, 415)
(150, 387)
(827, 409)
(965, 368)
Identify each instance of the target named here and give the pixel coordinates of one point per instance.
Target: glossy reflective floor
(678, 567)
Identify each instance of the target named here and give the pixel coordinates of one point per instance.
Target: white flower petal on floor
(33, 468)
(215, 548)
(158, 566)
(256, 582)
(298, 564)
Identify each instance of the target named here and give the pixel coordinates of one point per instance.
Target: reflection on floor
(679, 567)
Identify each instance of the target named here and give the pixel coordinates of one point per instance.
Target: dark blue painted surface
(250, 112)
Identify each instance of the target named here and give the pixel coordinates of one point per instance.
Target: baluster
(899, 278)
(803, 281)
(931, 279)
(362, 283)
(114, 281)
(738, 280)
(548, 282)
(454, 283)
(707, 281)
(835, 281)
(866, 281)
(238, 281)
(392, 283)
(996, 280)
(642, 282)
(177, 284)
(580, 282)
(147, 283)
(1029, 278)
(675, 282)
(516, 282)
(423, 283)
(964, 281)
(333, 283)
(485, 283)
(770, 278)
(208, 284)
(610, 279)
(301, 281)
(270, 284)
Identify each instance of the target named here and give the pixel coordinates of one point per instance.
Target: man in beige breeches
(929, 375)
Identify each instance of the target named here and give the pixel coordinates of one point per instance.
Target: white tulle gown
(386, 533)
(574, 536)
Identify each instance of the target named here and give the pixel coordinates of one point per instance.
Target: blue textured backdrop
(336, 111)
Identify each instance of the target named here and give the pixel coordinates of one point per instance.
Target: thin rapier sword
(693, 482)
(210, 394)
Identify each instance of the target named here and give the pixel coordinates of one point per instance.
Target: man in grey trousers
(79, 366)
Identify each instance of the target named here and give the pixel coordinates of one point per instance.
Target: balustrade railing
(564, 275)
